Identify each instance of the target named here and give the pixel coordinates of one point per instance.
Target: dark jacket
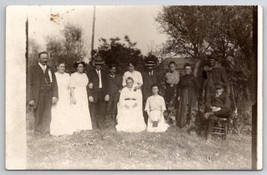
(114, 84)
(222, 101)
(35, 76)
(93, 78)
(148, 81)
(217, 74)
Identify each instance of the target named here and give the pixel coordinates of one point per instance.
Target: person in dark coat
(150, 77)
(114, 82)
(217, 105)
(187, 92)
(98, 93)
(42, 93)
(215, 73)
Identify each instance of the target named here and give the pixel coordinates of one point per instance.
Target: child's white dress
(155, 106)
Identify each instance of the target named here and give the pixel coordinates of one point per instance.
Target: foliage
(225, 31)
(69, 49)
(120, 53)
(33, 50)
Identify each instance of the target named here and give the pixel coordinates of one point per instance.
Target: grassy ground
(109, 149)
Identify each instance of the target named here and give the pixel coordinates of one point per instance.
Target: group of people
(64, 104)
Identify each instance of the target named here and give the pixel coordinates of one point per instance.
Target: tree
(69, 49)
(226, 31)
(34, 49)
(119, 53)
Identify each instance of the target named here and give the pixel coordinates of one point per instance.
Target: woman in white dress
(79, 99)
(61, 123)
(155, 107)
(137, 78)
(130, 115)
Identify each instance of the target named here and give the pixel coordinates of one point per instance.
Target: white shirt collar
(42, 66)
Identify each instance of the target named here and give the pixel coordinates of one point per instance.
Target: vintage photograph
(137, 87)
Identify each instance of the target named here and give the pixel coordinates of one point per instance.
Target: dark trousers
(223, 113)
(42, 113)
(98, 109)
(170, 93)
(112, 103)
(144, 112)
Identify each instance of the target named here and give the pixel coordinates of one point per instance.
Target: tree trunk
(197, 67)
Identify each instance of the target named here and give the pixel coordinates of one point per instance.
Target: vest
(46, 84)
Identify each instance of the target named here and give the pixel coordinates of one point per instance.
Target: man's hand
(90, 85)
(216, 109)
(31, 103)
(107, 97)
(91, 99)
(179, 98)
(54, 100)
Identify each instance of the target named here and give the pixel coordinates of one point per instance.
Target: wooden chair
(220, 127)
(217, 126)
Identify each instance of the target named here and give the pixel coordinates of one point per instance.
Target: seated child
(155, 107)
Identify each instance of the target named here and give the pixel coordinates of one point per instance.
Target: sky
(138, 22)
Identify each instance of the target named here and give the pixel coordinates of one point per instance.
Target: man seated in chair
(217, 106)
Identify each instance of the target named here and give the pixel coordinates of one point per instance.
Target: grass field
(109, 149)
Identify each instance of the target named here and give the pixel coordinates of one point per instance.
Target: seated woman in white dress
(136, 76)
(155, 107)
(130, 115)
(79, 99)
(61, 123)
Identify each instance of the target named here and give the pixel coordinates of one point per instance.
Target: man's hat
(219, 85)
(98, 60)
(150, 63)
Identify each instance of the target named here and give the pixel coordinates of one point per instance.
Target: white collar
(42, 66)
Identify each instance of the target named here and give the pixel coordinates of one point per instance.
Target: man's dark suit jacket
(93, 78)
(114, 84)
(34, 83)
(148, 81)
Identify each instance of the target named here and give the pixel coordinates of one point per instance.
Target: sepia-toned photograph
(133, 87)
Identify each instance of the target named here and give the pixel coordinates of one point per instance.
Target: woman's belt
(129, 99)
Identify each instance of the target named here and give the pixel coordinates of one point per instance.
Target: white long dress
(130, 120)
(80, 111)
(61, 123)
(155, 106)
(138, 79)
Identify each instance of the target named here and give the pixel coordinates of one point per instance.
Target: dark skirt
(185, 106)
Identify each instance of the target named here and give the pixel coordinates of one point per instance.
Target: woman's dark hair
(77, 63)
(60, 62)
(129, 78)
(133, 63)
(155, 85)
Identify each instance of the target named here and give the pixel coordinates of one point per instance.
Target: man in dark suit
(150, 77)
(98, 94)
(42, 93)
(114, 86)
(217, 105)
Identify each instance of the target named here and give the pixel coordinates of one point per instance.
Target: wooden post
(93, 35)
